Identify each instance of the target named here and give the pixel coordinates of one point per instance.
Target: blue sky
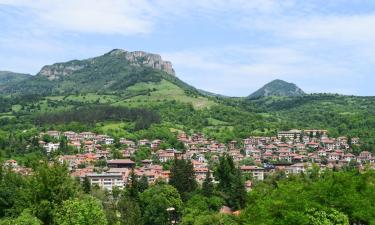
(229, 47)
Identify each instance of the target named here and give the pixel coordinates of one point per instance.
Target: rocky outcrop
(59, 69)
(140, 58)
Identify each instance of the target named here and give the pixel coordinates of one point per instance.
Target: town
(292, 152)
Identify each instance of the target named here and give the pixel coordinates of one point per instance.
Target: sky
(229, 47)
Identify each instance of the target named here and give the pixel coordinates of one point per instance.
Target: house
(70, 135)
(87, 135)
(128, 143)
(120, 163)
(298, 168)
(256, 172)
(292, 134)
(143, 142)
(365, 155)
(108, 141)
(316, 132)
(51, 147)
(155, 144)
(329, 144)
(333, 156)
(107, 181)
(54, 134)
(165, 156)
(349, 157)
(11, 163)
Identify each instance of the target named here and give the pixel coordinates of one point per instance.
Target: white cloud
(239, 70)
(127, 17)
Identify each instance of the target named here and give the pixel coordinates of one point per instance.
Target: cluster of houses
(292, 151)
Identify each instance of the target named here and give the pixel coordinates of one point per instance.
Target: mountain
(278, 88)
(7, 77)
(126, 76)
(114, 71)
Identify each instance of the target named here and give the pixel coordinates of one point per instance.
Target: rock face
(59, 69)
(137, 58)
(140, 58)
(278, 88)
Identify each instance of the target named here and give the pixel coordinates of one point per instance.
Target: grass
(165, 90)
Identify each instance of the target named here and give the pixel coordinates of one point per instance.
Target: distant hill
(278, 88)
(7, 77)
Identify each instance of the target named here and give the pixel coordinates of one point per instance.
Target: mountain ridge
(135, 58)
(7, 77)
(114, 71)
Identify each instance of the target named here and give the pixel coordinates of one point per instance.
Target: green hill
(7, 77)
(278, 88)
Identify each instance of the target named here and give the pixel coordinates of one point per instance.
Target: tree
(26, 218)
(183, 177)
(329, 217)
(87, 211)
(142, 184)
(130, 211)
(47, 189)
(86, 185)
(237, 196)
(231, 182)
(208, 186)
(156, 200)
(224, 173)
(132, 188)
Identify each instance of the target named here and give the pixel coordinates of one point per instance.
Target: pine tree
(231, 183)
(224, 173)
(183, 177)
(132, 188)
(238, 192)
(142, 184)
(130, 211)
(208, 186)
(86, 185)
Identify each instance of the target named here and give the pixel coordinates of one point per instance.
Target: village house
(107, 181)
(120, 163)
(51, 147)
(292, 134)
(256, 172)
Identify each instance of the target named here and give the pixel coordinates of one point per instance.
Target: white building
(107, 180)
(289, 134)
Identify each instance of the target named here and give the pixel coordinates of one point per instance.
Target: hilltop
(7, 77)
(278, 88)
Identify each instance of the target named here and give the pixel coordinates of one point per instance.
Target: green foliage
(86, 211)
(156, 200)
(332, 198)
(332, 217)
(26, 218)
(143, 118)
(183, 177)
(47, 190)
(130, 211)
(231, 183)
(208, 185)
(200, 206)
